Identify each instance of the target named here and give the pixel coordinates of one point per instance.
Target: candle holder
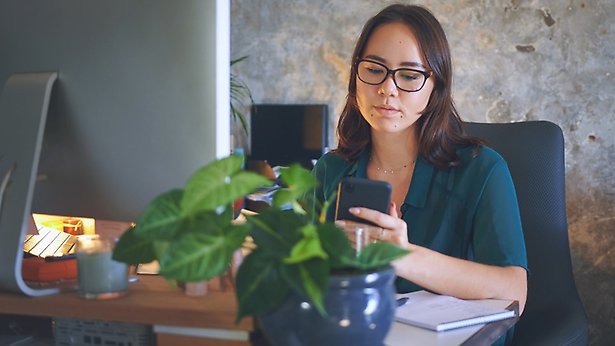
(100, 277)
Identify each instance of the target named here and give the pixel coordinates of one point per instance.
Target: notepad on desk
(439, 312)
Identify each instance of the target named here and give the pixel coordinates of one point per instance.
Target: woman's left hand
(394, 230)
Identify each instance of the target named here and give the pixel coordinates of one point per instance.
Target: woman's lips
(386, 110)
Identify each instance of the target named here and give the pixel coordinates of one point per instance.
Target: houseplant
(240, 94)
(296, 252)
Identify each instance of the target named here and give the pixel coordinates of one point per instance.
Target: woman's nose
(388, 87)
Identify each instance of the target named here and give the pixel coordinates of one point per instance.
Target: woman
(453, 201)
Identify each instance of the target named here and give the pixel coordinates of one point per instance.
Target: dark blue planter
(360, 311)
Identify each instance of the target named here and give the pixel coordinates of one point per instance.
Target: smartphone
(359, 192)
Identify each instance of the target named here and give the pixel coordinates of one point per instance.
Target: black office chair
(534, 151)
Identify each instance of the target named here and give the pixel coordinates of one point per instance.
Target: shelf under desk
(150, 301)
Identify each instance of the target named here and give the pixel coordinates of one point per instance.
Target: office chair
(534, 151)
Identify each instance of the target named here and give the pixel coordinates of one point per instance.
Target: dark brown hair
(440, 127)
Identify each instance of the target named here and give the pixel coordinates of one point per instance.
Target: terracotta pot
(194, 289)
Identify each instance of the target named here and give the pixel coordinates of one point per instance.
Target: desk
(150, 301)
(210, 319)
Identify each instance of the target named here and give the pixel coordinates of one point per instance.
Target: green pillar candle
(100, 277)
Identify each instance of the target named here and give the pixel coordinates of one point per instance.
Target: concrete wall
(514, 60)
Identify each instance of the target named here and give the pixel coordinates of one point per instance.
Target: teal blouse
(469, 211)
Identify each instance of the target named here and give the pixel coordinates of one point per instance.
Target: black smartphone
(359, 192)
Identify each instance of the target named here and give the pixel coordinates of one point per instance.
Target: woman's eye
(374, 70)
(409, 75)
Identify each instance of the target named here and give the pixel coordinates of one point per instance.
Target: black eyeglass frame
(392, 72)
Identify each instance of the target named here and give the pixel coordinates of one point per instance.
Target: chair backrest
(534, 151)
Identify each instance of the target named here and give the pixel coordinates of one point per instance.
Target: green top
(468, 212)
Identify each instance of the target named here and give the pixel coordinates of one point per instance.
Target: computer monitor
(282, 134)
(141, 100)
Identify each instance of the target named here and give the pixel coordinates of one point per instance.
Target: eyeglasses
(406, 79)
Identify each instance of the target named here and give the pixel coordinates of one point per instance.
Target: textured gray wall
(514, 60)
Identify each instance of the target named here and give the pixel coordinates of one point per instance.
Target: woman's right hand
(390, 227)
(360, 234)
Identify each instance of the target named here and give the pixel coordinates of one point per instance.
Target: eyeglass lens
(374, 73)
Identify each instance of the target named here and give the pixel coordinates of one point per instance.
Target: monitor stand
(23, 112)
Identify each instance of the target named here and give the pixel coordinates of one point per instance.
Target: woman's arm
(445, 274)
(462, 278)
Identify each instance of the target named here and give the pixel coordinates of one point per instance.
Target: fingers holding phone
(356, 194)
(395, 230)
(360, 234)
(368, 203)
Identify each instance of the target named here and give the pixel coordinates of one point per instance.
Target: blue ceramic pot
(360, 310)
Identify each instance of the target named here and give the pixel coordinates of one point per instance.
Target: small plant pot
(360, 311)
(194, 289)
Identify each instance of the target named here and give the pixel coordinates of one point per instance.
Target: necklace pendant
(392, 171)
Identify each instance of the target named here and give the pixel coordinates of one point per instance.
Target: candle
(100, 277)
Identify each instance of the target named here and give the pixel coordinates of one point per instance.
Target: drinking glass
(361, 235)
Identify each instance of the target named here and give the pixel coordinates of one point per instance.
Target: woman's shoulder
(481, 152)
(332, 158)
(480, 156)
(480, 165)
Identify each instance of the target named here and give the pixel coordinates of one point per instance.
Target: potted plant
(300, 264)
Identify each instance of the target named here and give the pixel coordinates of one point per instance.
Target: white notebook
(439, 312)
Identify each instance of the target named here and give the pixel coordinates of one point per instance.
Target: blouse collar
(421, 178)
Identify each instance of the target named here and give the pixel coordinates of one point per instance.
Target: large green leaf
(379, 254)
(201, 256)
(160, 247)
(298, 178)
(299, 181)
(259, 285)
(337, 246)
(160, 217)
(219, 184)
(207, 221)
(276, 231)
(309, 279)
(134, 249)
(283, 197)
(308, 247)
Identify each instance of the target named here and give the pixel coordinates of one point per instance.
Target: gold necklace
(393, 170)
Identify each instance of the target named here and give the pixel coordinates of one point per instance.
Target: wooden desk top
(151, 300)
